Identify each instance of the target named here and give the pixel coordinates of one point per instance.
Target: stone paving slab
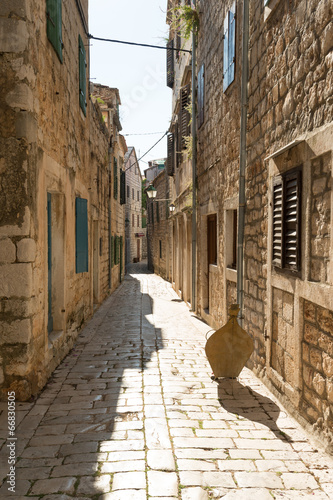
(132, 414)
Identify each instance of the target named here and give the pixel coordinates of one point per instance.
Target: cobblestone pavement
(132, 414)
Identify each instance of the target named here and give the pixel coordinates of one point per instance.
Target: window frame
(229, 47)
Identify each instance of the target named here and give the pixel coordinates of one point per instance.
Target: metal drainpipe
(109, 217)
(242, 164)
(194, 171)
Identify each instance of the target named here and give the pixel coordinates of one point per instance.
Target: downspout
(194, 170)
(242, 163)
(109, 210)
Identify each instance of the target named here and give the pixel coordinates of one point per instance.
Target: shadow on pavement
(243, 401)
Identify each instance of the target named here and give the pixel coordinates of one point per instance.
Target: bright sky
(138, 72)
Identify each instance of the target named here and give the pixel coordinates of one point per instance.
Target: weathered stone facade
(135, 235)
(288, 246)
(54, 162)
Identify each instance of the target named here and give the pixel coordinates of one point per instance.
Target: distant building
(135, 235)
(155, 167)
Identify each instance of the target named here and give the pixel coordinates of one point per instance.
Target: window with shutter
(171, 154)
(157, 212)
(178, 44)
(82, 76)
(286, 220)
(229, 46)
(170, 64)
(115, 178)
(184, 116)
(81, 235)
(122, 187)
(201, 95)
(54, 25)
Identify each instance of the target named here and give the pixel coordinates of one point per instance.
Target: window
(54, 25)
(83, 76)
(112, 250)
(132, 193)
(115, 178)
(229, 47)
(184, 116)
(212, 239)
(201, 95)
(170, 64)
(128, 192)
(138, 220)
(133, 223)
(138, 196)
(81, 235)
(231, 239)
(160, 249)
(122, 187)
(157, 211)
(286, 220)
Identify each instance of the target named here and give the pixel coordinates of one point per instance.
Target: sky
(138, 72)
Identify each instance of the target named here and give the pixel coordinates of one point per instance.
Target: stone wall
(317, 372)
(47, 146)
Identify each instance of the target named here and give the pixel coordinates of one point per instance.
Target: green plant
(185, 20)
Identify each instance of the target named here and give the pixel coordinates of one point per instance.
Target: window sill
(269, 8)
(231, 274)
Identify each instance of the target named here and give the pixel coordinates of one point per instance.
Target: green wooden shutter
(115, 178)
(184, 115)
(83, 76)
(54, 25)
(112, 251)
(81, 235)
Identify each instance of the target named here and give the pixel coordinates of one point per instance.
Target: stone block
(15, 280)
(311, 334)
(309, 310)
(16, 332)
(13, 35)
(20, 97)
(7, 250)
(325, 320)
(327, 365)
(26, 126)
(326, 344)
(329, 389)
(18, 7)
(315, 358)
(26, 250)
(318, 384)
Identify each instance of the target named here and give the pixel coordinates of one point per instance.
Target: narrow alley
(132, 413)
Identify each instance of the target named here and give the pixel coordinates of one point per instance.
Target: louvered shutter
(171, 154)
(170, 64)
(54, 25)
(292, 220)
(232, 42)
(226, 52)
(122, 187)
(178, 44)
(81, 235)
(112, 251)
(184, 115)
(83, 76)
(201, 95)
(115, 178)
(177, 140)
(277, 221)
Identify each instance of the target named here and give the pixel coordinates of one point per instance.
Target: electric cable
(137, 161)
(92, 37)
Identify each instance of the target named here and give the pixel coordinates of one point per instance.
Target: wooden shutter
(201, 95)
(115, 178)
(178, 43)
(226, 52)
(83, 76)
(184, 116)
(171, 154)
(277, 221)
(212, 239)
(54, 25)
(112, 251)
(292, 220)
(81, 235)
(157, 212)
(122, 187)
(170, 64)
(232, 42)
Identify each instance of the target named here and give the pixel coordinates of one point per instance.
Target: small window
(138, 220)
(132, 193)
(133, 222)
(83, 76)
(170, 64)
(122, 187)
(138, 194)
(54, 25)
(160, 249)
(212, 239)
(184, 116)
(170, 163)
(81, 235)
(231, 239)
(128, 192)
(201, 95)
(229, 47)
(287, 220)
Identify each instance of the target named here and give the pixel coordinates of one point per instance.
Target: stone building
(288, 246)
(159, 227)
(57, 168)
(135, 235)
(179, 165)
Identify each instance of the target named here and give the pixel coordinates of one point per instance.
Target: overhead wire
(137, 161)
(92, 37)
